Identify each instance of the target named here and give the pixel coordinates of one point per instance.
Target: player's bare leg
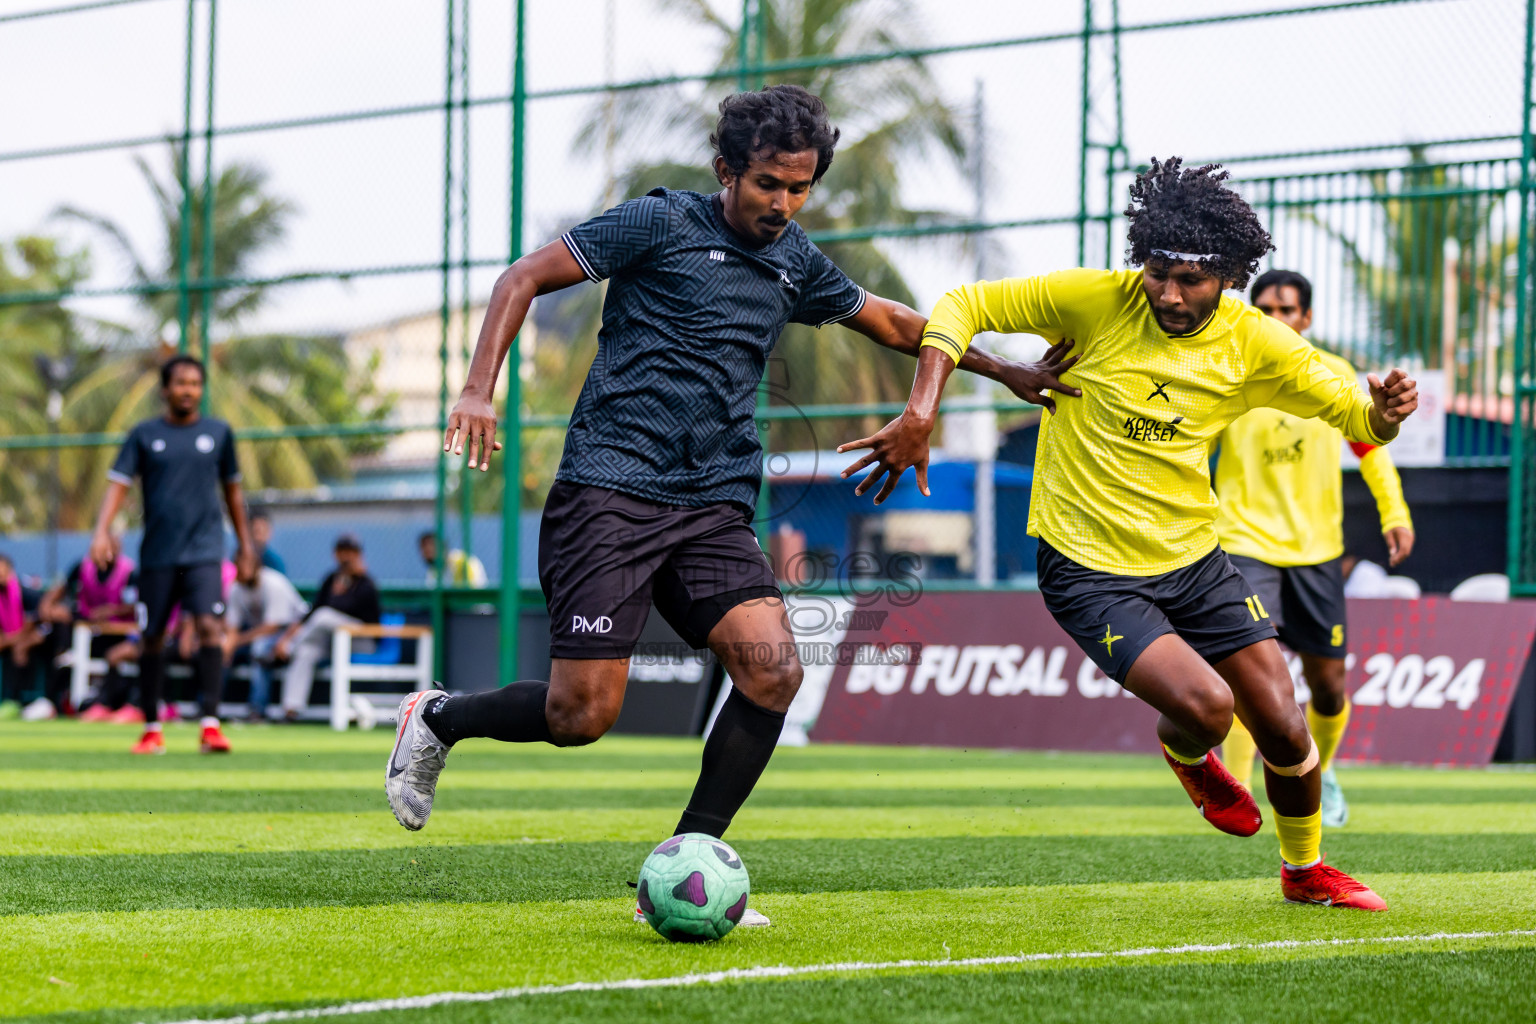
(577, 706)
(1265, 701)
(1328, 717)
(755, 645)
(1196, 712)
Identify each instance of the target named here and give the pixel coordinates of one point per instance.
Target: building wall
(409, 365)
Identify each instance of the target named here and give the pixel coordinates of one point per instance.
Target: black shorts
(606, 557)
(1113, 618)
(1306, 602)
(198, 589)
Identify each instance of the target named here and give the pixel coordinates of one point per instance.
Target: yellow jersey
(1122, 477)
(1281, 488)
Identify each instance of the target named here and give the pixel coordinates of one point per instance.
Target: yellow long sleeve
(1380, 475)
(1122, 481)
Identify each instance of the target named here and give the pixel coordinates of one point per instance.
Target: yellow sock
(1327, 731)
(1237, 753)
(1300, 838)
(1182, 759)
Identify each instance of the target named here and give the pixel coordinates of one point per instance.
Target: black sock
(151, 682)
(512, 714)
(735, 754)
(209, 672)
(115, 690)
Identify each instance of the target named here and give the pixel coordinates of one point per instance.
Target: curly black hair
(1192, 211)
(780, 118)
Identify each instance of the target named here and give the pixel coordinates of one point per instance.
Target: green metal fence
(1421, 252)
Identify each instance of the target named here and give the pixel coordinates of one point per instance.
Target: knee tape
(1306, 765)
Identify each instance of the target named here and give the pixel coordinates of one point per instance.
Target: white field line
(850, 967)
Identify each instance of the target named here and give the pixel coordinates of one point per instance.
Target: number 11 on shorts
(1256, 608)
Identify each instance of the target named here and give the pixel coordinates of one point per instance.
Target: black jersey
(692, 312)
(183, 469)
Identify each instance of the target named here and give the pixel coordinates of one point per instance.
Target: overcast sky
(371, 193)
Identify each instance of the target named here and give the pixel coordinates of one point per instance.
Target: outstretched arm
(900, 327)
(472, 423)
(903, 442)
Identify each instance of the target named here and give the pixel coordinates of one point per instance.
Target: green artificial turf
(163, 889)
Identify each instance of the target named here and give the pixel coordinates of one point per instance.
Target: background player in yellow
(1282, 523)
(1128, 559)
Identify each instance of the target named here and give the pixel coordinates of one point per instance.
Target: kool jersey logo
(582, 624)
(1150, 428)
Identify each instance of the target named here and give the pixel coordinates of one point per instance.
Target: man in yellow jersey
(1281, 522)
(1128, 560)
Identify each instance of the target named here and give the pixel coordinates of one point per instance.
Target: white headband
(1186, 257)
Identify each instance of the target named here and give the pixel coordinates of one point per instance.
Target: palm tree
(891, 115)
(266, 381)
(247, 220)
(37, 341)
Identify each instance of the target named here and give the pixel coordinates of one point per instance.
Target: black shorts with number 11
(1114, 618)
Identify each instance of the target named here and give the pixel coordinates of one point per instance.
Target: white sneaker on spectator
(39, 710)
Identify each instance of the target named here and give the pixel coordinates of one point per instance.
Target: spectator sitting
(261, 608)
(348, 596)
(261, 536)
(463, 570)
(94, 595)
(18, 630)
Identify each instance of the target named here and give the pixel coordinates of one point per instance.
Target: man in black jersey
(185, 461)
(654, 497)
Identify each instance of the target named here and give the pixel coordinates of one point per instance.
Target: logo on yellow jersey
(1157, 389)
(1288, 454)
(1109, 641)
(1142, 428)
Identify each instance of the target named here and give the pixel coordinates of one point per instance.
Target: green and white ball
(693, 888)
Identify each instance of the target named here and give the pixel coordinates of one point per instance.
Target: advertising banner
(1431, 680)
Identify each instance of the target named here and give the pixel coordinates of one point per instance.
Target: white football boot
(410, 778)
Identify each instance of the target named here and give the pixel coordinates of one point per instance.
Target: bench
(380, 666)
(81, 665)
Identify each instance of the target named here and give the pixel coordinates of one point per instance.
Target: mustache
(773, 221)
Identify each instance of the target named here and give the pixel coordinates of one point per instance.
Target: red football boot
(1326, 887)
(152, 742)
(1219, 797)
(214, 740)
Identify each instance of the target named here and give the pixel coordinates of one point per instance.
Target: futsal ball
(693, 888)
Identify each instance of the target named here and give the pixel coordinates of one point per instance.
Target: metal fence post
(512, 457)
(466, 476)
(440, 504)
(206, 272)
(1521, 422)
(1082, 153)
(184, 173)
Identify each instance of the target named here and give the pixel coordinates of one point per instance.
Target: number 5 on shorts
(1256, 608)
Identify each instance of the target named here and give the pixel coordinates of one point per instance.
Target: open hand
(1031, 381)
(900, 444)
(472, 425)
